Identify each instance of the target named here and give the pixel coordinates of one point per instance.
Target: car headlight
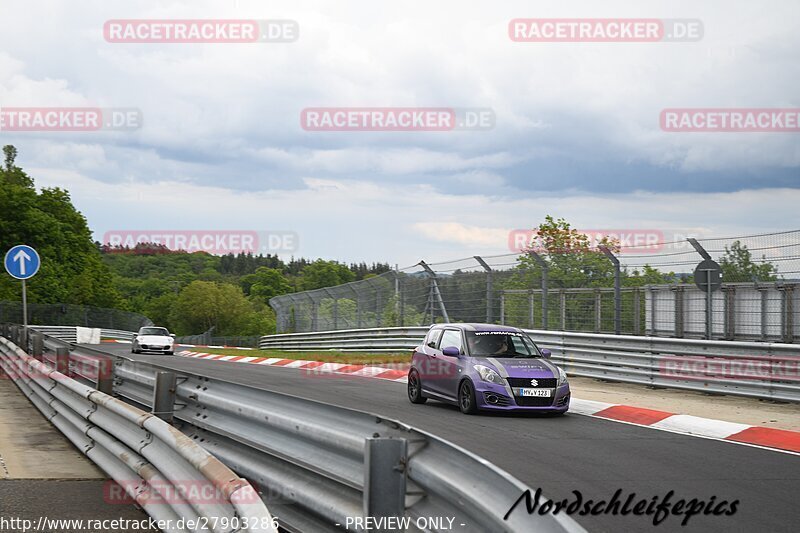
(562, 376)
(487, 374)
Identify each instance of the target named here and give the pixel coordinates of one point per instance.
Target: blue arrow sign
(22, 262)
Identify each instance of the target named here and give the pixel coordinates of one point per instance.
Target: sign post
(708, 278)
(22, 262)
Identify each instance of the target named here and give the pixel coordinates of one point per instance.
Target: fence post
(385, 477)
(680, 328)
(435, 291)
(503, 308)
(788, 313)
(543, 264)
(637, 310)
(489, 288)
(709, 295)
(164, 395)
(730, 312)
(598, 311)
(530, 308)
(563, 305)
(617, 289)
(764, 301)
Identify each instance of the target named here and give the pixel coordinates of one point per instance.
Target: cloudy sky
(576, 130)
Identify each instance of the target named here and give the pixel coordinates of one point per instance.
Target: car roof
(476, 327)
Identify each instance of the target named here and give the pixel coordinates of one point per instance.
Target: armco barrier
(318, 465)
(158, 466)
(753, 369)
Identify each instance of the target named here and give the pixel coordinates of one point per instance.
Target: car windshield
(500, 344)
(154, 331)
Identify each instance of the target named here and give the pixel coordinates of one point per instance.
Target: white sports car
(153, 339)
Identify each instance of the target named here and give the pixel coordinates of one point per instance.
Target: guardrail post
(37, 345)
(164, 395)
(62, 360)
(385, 477)
(105, 375)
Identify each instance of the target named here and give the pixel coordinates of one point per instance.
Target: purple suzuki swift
(486, 367)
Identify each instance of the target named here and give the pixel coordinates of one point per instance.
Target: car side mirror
(546, 353)
(172, 335)
(451, 351)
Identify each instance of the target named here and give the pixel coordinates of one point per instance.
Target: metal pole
(545, 268)
(164, 395)
(24, 304)
(617, 289)
(709, 301)
(489, 288)
(435, 291)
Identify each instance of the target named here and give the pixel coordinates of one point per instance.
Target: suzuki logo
(534, 383)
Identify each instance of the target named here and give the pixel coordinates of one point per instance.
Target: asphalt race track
(560, 455)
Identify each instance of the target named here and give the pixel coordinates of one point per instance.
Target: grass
(360, 358)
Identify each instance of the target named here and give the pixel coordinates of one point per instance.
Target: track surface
(574, 452)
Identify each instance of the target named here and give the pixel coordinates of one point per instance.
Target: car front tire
(415, 388)
(466, 398)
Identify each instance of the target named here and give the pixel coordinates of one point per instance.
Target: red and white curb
(312, 367)
(774, 439)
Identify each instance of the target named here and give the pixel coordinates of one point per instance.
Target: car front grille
(541, 383)
(527, 401)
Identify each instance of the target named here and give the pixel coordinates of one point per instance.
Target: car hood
(534, 367)
(153, 339)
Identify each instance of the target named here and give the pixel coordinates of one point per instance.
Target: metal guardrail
(753, 369)
(159, 468)
(117, 334)
(319, 467)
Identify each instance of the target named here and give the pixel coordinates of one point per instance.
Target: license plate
(535, 392)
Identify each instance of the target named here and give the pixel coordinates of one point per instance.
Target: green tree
(72, 270)
(203, 304)
(322, 273)
(738, 265)
(265, 283)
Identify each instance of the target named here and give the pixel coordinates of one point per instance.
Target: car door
(427, 356)
(445, 369)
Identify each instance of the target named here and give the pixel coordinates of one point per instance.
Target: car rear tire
(415, 388)
(169, 353)
(466, 398)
